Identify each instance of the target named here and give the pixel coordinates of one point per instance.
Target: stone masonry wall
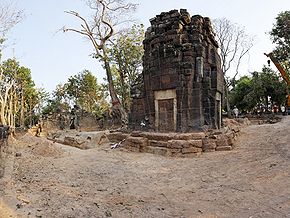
(181, 58)
(178, 144)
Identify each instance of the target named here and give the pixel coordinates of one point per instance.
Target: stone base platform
(177, 144)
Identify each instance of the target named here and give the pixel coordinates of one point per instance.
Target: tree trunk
(22, 110)
(117, 106)
(229, 111)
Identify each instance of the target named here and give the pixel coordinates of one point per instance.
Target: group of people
(74, 119)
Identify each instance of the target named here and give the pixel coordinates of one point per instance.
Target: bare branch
(233, 42)
(9, 17)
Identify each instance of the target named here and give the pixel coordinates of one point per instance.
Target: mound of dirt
(40, 146)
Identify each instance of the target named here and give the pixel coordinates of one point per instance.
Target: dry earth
(53, 180)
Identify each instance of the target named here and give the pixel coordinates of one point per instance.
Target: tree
(18, 96)
(261, 89)
(234, 44)
(100, 31)
(280, 35)
(126, 55)
(9, 17)
(83, 89)
(240, 95)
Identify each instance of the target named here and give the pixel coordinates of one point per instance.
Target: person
(74, 122)
(39, 126)
(236, 112)
(283, 109)
(61, 121)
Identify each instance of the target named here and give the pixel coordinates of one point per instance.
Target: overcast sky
(53, 56)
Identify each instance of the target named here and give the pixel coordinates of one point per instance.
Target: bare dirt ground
(53, 180)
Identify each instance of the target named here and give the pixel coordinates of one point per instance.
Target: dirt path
(253, 180)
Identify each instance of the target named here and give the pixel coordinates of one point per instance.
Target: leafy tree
(83, 88)
(280, 35)
(19, 95)
(240, 97)
(262, 88)
(126, 54)
(108, 14)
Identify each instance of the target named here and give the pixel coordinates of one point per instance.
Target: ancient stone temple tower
(182, 83)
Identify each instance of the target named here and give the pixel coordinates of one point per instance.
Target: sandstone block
(174, 152)
(209, 144)
(136, 134)
(156, 150)
(136, 140)
(177, 144)
(222, 141)
(235, 128)
(195, 143)
(224, 148)
(191, 150)
(117, 136)
(157, 136)
(154, 143)
(133, 149)
(135, 143)
(230, 141)
(189, 136)
(74, 142)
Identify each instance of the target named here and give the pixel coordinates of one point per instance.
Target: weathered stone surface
(75, 142)
(136, 140)
(117, 136)
(135, 144)
(195, 143)
(230, 141)
(136, 134)
(224, 148)
(191, 150)
(154, 143)
(180, 51)
(157, 136)
(177, 144)
(174, 152)
(222, 140)
(156, 150)
(236, 128)
(209, 145)
(189, 136)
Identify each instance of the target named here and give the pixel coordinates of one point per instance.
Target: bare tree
(9, 17)
(108, 15)
(234, 44)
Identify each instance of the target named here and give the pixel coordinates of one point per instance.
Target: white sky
(53, 56)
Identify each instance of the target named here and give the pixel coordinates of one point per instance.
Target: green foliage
(126, 55)
(280, 35)
(23, 95)
(22, 76)
(240, 95)
(81, 89)
(262, 88)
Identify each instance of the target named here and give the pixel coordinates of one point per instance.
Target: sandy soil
(53, 180)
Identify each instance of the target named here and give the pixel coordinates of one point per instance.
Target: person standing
(236, 112)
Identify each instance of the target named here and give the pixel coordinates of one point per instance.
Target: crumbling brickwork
(182, 84)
